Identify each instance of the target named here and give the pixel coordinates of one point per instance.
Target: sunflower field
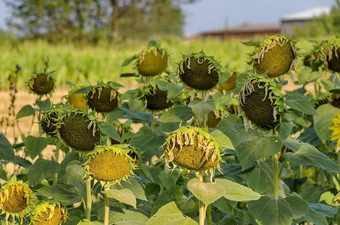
(255, 141)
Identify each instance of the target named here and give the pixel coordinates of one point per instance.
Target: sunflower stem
(153, 127)
(204, 96)
(202, 208)
(57, 160)
(208, 212)
(107, 207)
(88, 198)
(300, 171)
(276, 177)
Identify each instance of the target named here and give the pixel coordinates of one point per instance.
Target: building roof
(308, 14)
(246, 28)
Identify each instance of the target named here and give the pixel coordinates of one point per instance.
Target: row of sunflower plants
(202, 145)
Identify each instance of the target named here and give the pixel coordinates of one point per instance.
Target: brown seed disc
(42, 84)
(259, 109)
(157, 99)
(104, 100)
(48, 123)
(276, 61)
(334, 63)
(199, 73)
(75, 131)
(15, 201)
(46, 219)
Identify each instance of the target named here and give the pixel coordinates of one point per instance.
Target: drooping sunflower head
(49, 122)
(192, 148)
(77, 100)
(321, 99)
(261, 103)
(79, 130)
(336, 129)
(110, 163)
(329, 53)
(152, 61)
(156, 99)
(41, 84)
(15, 197)
(334, 99)
(103, 97)
(49, 213)
(275, 55)
(199, 71)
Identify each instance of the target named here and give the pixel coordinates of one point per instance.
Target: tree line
(96, 20)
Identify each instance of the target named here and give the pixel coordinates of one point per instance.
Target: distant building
(299, 20)
(250, 31)
(244, 32)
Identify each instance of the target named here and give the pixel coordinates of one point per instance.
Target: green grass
(89, 64)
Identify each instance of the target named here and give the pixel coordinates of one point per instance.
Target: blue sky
(205, 15)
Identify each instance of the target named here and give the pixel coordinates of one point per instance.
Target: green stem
(153, 127)
(276, 177)
(282, 167)
(300, 171)
(204, 96)
(88, 199)
(107, 208)
(202, 206)
(57, 160)
(209, 219)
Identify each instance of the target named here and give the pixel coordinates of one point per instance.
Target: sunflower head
(336, 129)
(335, 100)
(156, 99)
(110, 163)
(103, 98)
(192, 148)
(49, 122)
(49, 213)
(77, 100)
(275, 55)
(79, 130)
(41, 84)
(329, 53)
(199, 71)
(322, 99)
(15, 197)
(261, 103)
(152, 61)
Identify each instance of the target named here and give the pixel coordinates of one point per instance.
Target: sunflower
(152, 61)
(15, 198)
(275, 55)
(79, 130)
(103, 97)
(336, 129)
(110, 164)
(192, 148)
(49, 213)
(328, 52)
(199, 71)
(261, 103)
(41, 84)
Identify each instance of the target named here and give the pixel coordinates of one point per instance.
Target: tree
(94, 20)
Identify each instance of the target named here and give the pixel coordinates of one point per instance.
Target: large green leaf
(169, 214)
(88, 222)
(323, 121)
(307, 75)
(60, 192)
(110, 131)
(27, 110)
(34, 145)
(300, 103)
(206, 192)
(173, 90)
(42, 169)
(308, 155)
(201, 109)
(178, 114)
(135, 187)
(123, 195)
(6, 149)
(254, 146)
(168, 178)
(278, 211)
(237, 192)
(222, 140)
(74, 174)
(129, 217)
(228, 128)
